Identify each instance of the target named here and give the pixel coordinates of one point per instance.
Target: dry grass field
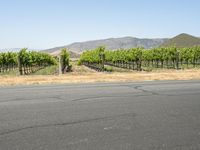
(85, 76)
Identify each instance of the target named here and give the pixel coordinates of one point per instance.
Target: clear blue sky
(44, 24)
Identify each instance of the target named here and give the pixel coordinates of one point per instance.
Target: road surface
(102, 116)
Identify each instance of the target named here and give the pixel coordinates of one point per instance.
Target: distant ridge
(72, 54)
(16, 49)
(182, 40)
(111, 44)
(10, 50)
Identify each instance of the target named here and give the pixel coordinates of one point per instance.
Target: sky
(42, 24)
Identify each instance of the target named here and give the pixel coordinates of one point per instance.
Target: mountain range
(181, 40)
(10, 49)
(15, 49)
(111, 44)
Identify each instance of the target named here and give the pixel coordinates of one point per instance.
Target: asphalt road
(104, 116)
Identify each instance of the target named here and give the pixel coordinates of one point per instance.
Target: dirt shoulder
(89, 77)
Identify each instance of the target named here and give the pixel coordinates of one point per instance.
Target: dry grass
(88, 77)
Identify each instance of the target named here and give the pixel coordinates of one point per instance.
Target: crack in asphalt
(77, 99)
(68, 123)
(145, 91)
(140, 88)
(31, 99)
(98, 97)
(61, 99)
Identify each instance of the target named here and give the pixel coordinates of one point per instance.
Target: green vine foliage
(26, 61)
(160, 57)
(65, 59)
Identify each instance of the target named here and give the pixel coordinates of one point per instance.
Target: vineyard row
(141, 59)
(28, 62)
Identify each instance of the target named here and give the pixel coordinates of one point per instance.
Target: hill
(72, 54)
(16, 49)
(182, 40)
(111, 43)
(10, 50)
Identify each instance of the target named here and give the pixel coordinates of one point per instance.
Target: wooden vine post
(19, 64)
(102, 60)
(177, 59)
(60, 65)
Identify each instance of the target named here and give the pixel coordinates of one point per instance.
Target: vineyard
(28, 62)
(8, 62)
(142, 59)
(31, 61)
(93, 58)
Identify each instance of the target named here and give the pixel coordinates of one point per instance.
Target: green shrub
(108, 68)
